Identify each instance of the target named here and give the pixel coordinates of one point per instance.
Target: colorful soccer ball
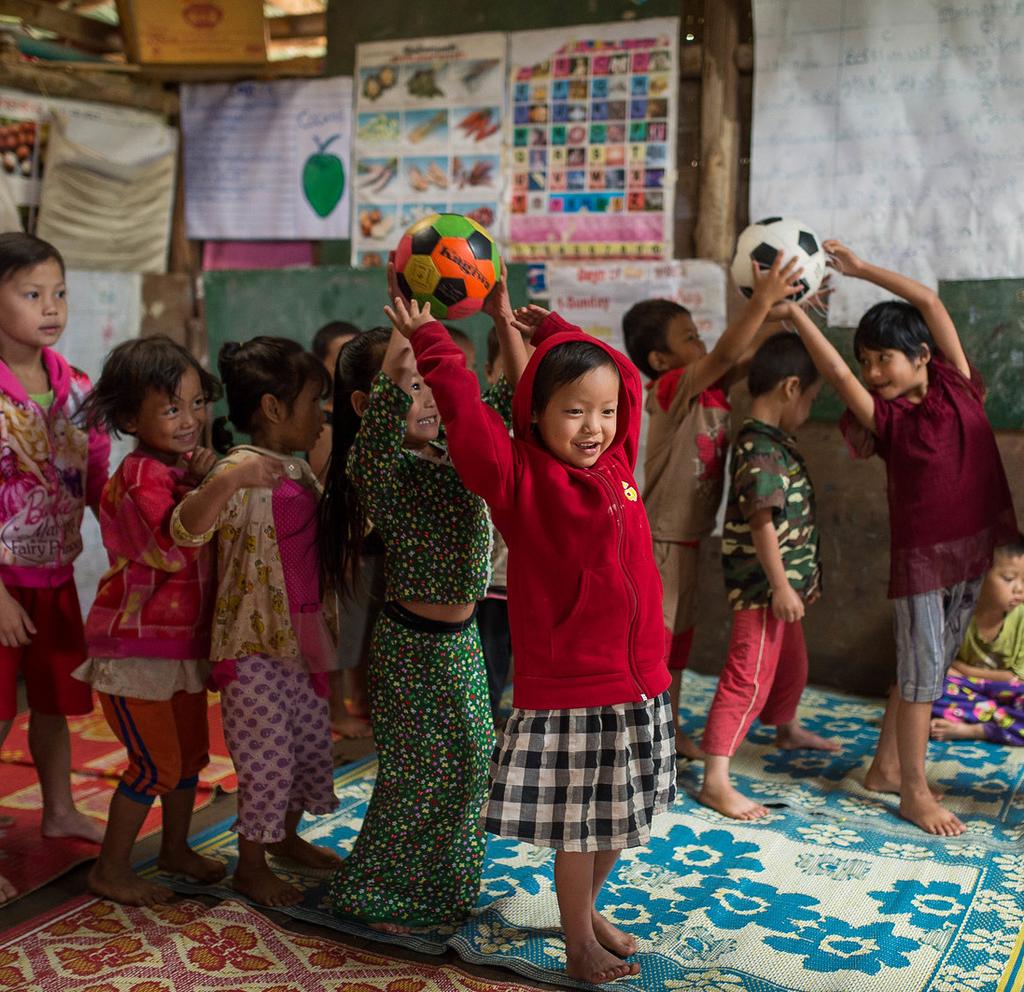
(762, 241)
(448, 261)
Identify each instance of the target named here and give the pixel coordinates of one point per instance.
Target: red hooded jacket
(584, 595)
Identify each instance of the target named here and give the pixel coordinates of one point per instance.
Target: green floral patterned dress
(419, 855)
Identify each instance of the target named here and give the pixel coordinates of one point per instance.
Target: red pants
(167, 741)
(764, 676)
(47, 661)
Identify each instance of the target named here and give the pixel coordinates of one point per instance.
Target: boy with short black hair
(772, 568)
(687, 439)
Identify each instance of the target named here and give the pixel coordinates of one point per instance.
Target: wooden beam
(78, 81)
(282, 69)
(297, 26)
(691, 60)
(719, 132)
(85, 32)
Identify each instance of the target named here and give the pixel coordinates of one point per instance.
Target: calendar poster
(591, 139)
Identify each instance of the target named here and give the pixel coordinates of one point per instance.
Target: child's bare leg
(609, 937)
(949, 730)
(585, 958)
(175, 854)
(7, 890)
(917, 803)
(112, 876)
(884, 773)
(792, 736)
(253, 877)
(342, 721)
(720, 794)
(50, 744)
(301, 851)
(686, 746)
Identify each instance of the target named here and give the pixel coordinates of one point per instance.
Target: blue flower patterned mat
(829, 893)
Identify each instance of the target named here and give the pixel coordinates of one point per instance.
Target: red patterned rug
(28, 859)
(98, 946)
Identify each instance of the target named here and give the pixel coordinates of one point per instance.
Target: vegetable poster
(429, 118)
(592, 123)
(267, 160)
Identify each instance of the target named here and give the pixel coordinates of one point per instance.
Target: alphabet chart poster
(267, 160)
(591, 140)
(429, 117)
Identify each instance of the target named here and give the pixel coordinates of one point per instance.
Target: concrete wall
(848, 630)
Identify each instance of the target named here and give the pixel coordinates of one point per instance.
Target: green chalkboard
(294, 303)
(989, 316)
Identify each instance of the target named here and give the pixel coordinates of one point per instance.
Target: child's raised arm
(830, 364)
(935, 314)
(514, 355)
(769, 288)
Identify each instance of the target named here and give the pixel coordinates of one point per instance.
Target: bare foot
(876, 781)
(792, 737)
(730, 802)
(262, 886)
(590, 962)
(947, 730)
(72, 824)
(611, 938)
(933, 818)
(351, 727)
(188, 862)
(124, 886)
(395, 928)
(7, 891)
(686, 747)
(300, 851)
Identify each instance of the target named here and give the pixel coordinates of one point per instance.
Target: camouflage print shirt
(768, 471)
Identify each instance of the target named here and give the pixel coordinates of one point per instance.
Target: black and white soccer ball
(762, 241)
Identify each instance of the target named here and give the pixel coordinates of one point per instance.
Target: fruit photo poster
(268, 160)
(591, 136)
(428, 132)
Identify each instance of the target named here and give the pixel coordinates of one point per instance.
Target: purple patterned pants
(278, 732)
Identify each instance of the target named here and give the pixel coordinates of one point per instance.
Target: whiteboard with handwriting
(896, 127)
(267, 160)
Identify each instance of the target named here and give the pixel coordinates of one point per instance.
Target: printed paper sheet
(897, 127)
(592, 141)
(597, 295)
(429, 117)
(268, 160)
(133, 137)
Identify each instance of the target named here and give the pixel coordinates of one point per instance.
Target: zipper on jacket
(635, 599)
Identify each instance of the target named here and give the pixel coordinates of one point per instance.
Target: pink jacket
(51, 467)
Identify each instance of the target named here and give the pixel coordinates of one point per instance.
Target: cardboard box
(194, 32)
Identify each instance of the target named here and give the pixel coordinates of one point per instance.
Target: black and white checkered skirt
(588, 779)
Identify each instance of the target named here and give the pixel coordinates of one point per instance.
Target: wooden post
(719, 132)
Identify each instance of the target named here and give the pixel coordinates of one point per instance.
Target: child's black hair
(645, 329)
(781, 356)
(328, 333)
(131, 370)
(25, 251)
(563, 364)
(493, 346)
(893, 325)
(342, 517)
(254, 368)
(1012, 549)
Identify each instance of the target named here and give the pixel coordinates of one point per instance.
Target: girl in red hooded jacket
(588, 757)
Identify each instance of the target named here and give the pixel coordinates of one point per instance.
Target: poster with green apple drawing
(268, 160)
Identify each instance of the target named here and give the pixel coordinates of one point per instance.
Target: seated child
(983, 698)
(772, 569)
(687, 438)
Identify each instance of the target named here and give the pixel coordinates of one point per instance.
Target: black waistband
(424, 625)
